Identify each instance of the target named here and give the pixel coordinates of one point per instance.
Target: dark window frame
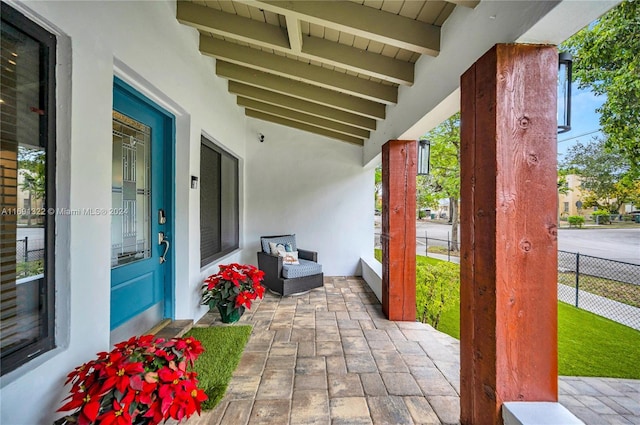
(209, 257)
(47, 62)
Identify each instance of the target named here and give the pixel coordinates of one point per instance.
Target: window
(27, 179)
(566, 207)
(219, 211)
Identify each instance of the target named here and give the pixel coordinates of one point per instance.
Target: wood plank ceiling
(328, 67)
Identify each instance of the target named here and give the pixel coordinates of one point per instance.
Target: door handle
(165, 242)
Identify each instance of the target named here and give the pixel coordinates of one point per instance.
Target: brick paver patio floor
(330, 357)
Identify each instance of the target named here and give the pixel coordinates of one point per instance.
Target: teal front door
(141, 213)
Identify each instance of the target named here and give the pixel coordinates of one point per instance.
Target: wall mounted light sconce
(261, 137)
(424, 154)
(565, 65)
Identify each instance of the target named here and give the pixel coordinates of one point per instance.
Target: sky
(584, 119)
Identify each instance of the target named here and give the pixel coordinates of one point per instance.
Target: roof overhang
(365, 72)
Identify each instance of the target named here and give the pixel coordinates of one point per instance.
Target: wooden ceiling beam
(273, 37)
(295, 104)
(300, 90)
(302, 117)
(291, 68)
(294, 31)
(305, 127)
(358, 60)
(362, 21)
(465, 3)
(230, 25)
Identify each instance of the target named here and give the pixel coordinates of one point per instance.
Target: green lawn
(588, 345)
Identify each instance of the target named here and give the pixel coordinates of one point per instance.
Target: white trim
(29, 279)
(137, 81)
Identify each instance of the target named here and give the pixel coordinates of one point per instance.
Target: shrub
(576, 220)
(601, 216)
(29, 268)
(437, 290)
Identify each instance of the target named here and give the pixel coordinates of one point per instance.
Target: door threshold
(168, 328)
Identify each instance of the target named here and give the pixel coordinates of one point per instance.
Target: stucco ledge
(538, 413)
(372, 274)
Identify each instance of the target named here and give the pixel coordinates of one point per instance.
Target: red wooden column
(508, 228)
(399, 229)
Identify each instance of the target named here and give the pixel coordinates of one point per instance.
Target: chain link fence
(438, 246)
(605, 287)
(29, 249)
(428, 246)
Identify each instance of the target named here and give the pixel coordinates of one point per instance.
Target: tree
(605, 176)
(32, 167)
(378, 188)
(606, 58)
(444, 180)
(425, 197)
(563, 184)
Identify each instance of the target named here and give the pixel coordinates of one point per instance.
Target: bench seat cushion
(305, 268)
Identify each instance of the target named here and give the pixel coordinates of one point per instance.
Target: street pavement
(613, 244)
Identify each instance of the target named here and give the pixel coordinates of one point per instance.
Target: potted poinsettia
(145, 380)
(232, 290)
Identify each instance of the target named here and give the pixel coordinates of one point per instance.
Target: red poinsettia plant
(144, 380)
(234, 287)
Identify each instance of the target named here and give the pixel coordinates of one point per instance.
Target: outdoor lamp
(424, 148)
(565, 61)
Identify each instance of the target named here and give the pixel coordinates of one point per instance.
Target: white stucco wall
(144, 44)
(312, 186)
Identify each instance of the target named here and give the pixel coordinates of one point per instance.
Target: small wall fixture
(424, 153)
(565, 64)
(261, 137)
(194, 182)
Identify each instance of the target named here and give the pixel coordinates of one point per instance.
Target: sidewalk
(618, 312)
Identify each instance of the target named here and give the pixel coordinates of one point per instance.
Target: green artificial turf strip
(590, 345)
(223, 348)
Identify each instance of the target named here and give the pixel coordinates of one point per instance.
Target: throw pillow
(276, 248)
(290, 258)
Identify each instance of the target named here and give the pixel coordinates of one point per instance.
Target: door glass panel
(130, 191)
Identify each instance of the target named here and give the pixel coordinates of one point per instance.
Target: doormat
(223, 348)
